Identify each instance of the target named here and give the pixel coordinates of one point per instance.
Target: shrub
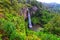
(47, 36)
(53, 26)
(35, 20)
(17, 35)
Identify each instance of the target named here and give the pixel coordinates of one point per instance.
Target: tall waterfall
(29, 19)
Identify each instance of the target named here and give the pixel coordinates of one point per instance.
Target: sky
(49, 1)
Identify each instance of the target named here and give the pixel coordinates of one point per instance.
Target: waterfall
(29, 19)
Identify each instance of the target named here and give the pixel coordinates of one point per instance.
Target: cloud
(49, 1)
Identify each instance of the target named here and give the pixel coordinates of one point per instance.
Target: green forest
(14, 23)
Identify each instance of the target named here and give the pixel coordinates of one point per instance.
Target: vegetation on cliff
(14, 27)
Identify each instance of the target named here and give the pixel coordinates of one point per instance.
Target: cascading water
(29, 19)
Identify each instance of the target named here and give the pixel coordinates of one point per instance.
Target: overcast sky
(49, 1)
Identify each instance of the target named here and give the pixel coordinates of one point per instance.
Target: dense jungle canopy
(13, 26)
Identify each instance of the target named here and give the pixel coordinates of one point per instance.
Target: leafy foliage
(54, 25)
(13, 26)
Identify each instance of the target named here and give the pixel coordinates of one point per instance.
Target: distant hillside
(54, 7)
